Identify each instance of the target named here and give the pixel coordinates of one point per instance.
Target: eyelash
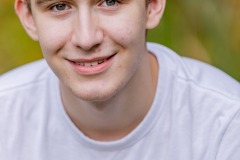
(67, 6)
(63, 4)
(116, 3)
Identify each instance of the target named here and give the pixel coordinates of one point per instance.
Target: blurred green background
(208, 30)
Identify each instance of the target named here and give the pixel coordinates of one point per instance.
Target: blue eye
(108, 3)
(59, 7)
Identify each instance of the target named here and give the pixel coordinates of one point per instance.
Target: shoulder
(197, 73)
(230, 142)
(24, 75)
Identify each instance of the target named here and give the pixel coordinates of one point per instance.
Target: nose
(87, 33)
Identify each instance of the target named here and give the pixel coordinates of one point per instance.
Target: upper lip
(94, 59)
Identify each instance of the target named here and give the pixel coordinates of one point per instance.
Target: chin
(91, 96)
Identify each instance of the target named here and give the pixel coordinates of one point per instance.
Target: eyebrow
(39, 2)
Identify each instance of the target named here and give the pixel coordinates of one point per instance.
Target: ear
(26, 18)
(155, 11)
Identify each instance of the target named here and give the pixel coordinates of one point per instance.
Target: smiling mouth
(94, 62)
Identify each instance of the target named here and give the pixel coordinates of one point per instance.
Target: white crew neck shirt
(194, 116)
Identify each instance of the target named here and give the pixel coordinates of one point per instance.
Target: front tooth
(94, 63)
(87, 64)
(80, 63)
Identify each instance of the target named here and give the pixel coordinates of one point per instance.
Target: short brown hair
(28, 4)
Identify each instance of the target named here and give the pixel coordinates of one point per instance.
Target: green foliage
(207, 30)
(16, 48)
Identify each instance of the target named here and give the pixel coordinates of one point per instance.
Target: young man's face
(95, 47)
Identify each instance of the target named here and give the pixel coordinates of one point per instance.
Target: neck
(115, 118)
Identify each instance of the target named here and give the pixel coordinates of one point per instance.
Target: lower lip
(91, 70)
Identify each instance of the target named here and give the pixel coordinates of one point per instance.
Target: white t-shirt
(194, 116)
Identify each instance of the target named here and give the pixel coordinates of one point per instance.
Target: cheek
(126, 34)
(52, 37)
(128, 30)
(129, 33)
